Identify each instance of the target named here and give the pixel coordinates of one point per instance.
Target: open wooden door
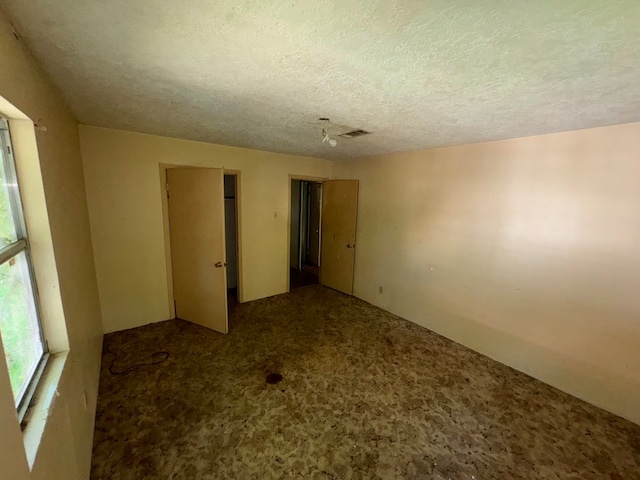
(339, 211)
(196, 225)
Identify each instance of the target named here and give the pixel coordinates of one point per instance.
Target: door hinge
(9, 149)
(166, 186)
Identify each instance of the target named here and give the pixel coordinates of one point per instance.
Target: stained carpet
(363, 395)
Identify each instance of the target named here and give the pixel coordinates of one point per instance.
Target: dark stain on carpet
(273, 378)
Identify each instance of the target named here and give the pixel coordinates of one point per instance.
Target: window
(24, 346)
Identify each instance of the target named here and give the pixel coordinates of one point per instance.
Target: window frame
(13, 250)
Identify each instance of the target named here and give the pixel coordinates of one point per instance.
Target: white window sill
(43, 400)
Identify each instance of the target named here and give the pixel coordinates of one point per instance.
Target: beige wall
(65, 448)
(124, 193)
(526, 250)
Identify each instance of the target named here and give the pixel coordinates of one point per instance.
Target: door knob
(220, 264)
(351, 245)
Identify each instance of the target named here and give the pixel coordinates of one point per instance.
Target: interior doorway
(203, 242)
(305, 234)
(231, 235)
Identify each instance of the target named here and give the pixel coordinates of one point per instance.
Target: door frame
(305, 178)
(167, 232)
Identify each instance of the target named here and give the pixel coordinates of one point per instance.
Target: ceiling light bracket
(325, 135)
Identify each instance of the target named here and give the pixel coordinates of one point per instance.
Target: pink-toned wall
(526, 250)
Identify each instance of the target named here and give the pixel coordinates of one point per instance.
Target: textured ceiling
(417, 74)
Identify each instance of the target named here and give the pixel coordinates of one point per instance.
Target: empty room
(324, 240)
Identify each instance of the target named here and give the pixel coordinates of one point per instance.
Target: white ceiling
(417, 74)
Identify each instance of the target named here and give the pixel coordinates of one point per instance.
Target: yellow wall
(122, 173)
(65, 448)
(526, 250)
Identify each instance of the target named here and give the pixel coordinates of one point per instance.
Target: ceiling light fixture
(325, 136)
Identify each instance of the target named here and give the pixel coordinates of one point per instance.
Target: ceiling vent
(354, 134)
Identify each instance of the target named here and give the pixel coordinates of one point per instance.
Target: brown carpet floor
(364, 395)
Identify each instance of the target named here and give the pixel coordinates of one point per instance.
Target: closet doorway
(231, 235)
(201, 209)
